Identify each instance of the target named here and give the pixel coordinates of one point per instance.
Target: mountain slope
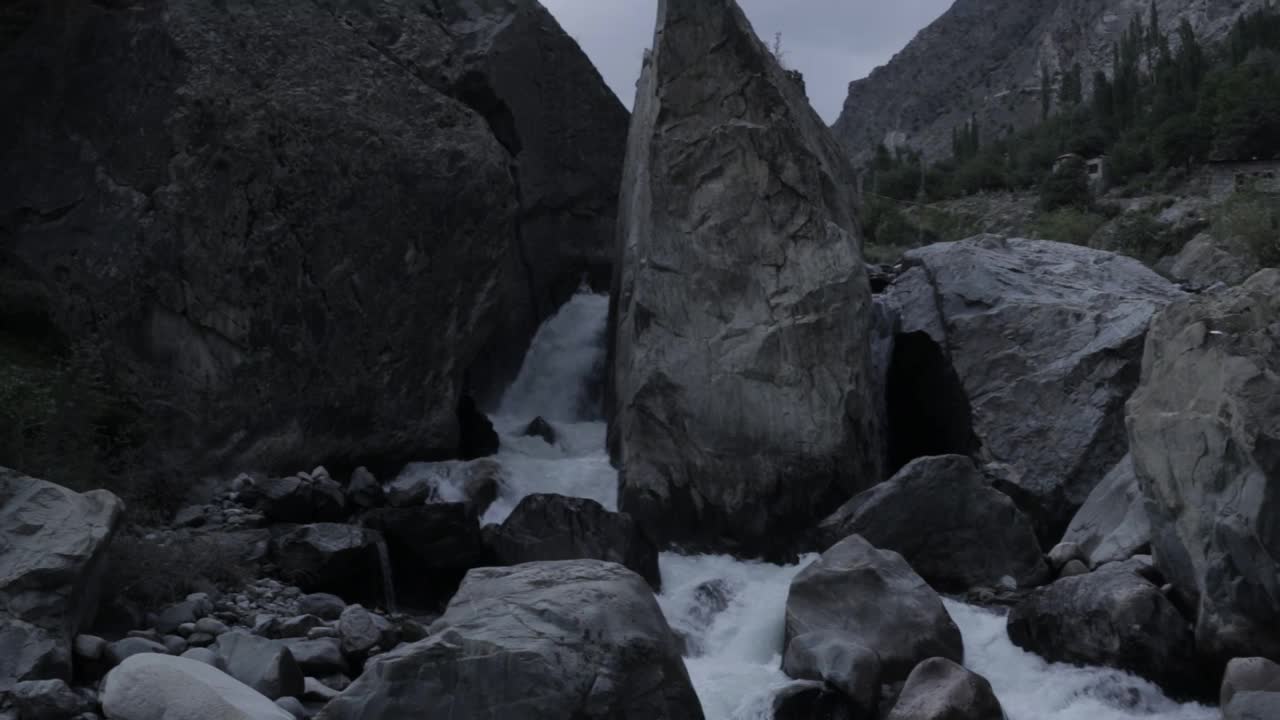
(984, 58)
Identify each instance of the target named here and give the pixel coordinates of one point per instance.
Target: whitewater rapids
(730, 612)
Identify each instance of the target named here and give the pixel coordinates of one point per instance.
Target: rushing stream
(729, 611)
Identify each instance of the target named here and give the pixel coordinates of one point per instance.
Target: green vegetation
(1253, 220)
(891, 228)
(157, 573)
(1069, 225)
(1167, 104)
(1066, 187)
(61, 420)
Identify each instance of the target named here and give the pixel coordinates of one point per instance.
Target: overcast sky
(831, 41)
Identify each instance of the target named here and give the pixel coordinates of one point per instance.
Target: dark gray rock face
(267, 666)
(809, 700)
(1112, 525)
(841, 661)
(1204, 428)
(1113, 617)
(431, 548)
(1046, 341)
(940, 514)
(540, 641)
(285, 222)
(939, 689)
(327, 557)
(567, 132)
(53, 544)
(47, 700)
(554, 527)
(1204, 261)
(875, 597)
(742, 383)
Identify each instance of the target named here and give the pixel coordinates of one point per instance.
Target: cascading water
(555, 383)
(1030, 688)
(730, 612)
(384, 569)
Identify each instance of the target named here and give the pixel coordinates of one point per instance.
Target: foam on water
(576, 466)
(1030, 688)
(730, 611)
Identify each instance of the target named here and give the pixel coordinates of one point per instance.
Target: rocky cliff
(742, 368)
(290, 228)
(984, 58)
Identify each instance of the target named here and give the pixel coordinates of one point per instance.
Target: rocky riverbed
(758, 480)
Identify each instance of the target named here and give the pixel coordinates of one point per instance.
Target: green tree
(1066, 186)
(1242, 105)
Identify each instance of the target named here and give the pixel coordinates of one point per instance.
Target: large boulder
(949, 524)
(53, 544)
(1204, 261)
(1113, 617)
(1205, 435)
(580, 638)
(47, 700)
(28, 652)
(267, 666)
(1045, 341)
(555, 527)
(290, 245)
(331, 558)
(1112, 525)
(430, 548)
(939, 689)
(874, 597)
(742, 386)
(161, 687)
(842, 662)
(1246, 675)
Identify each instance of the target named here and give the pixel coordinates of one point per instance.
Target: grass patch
(158, 571)
(1068, 225)
(1250, 221)
(892, 228)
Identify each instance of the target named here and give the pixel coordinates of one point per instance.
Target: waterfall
(384, 566)
(564, 365)
(559, 381)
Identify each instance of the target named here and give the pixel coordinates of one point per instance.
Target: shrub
(1068, 225)
(1066, 187)
(1138, 235)
(1252, 221)
(158, 571)
(888, 231)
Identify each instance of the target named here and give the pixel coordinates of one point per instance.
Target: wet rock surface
(875, 597)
